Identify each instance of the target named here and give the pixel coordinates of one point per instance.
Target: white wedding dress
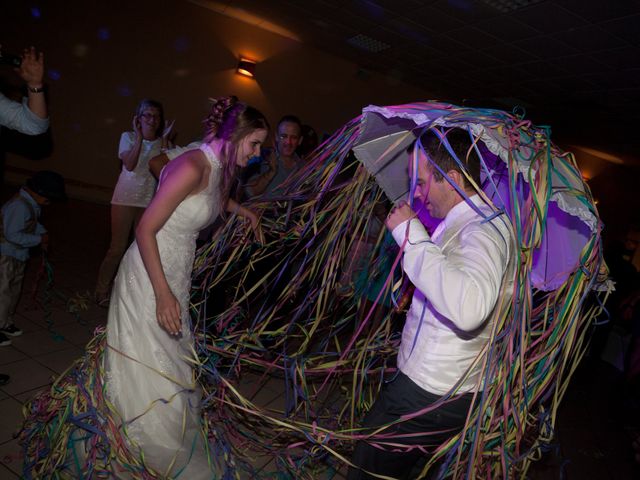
(149, 375)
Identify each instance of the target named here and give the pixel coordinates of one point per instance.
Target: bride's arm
(235, 207)
(181, 177)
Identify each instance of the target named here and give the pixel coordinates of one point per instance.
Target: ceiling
(571, 64)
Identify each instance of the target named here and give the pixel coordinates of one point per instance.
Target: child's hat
(48, 184)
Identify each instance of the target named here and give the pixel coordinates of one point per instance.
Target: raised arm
(462, 285)
(130, 146)
(182, 178)
(32, 71)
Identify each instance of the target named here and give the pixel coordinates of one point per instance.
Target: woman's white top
(135, 188)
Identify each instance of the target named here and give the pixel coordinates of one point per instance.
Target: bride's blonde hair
(230, 121)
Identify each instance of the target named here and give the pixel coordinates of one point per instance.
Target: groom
(458, 272)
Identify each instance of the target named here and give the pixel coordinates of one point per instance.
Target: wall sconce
(246, 67)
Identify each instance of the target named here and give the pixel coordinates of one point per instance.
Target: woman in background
(135, 186)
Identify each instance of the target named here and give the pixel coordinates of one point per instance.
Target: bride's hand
(255, 225)
(168, 313)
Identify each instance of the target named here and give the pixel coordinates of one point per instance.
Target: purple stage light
(181, 44)
(54, 74)
(124, 90)
(465, 5)
(35, 12)
(373, 8)
(104, 33)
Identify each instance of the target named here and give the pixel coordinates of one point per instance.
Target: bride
(152, 399)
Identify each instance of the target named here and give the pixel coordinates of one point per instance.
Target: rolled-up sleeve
(17, 116)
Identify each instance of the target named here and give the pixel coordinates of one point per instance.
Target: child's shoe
(4, 340)
(11, 331)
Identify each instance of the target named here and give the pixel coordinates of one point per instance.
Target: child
(19, 231)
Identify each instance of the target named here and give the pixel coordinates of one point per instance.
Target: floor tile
(29, 394)
(11, 418)
(54, 317)
(25, 324)
(61, 360)
(40, 342)
(76, 334)
(6, 473)
(26, 375)
(10, 354)
(95, 315)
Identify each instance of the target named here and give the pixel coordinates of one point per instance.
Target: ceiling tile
(542, 87)
(433, 69)
(542, 69)
(436, 20)
(457, 67)
(601, 10)
(317, 7)
(467, 10)
(504, 74)
(478, 60)
(409, 56)
(627, 28)
(506, 27)
(447, 45)
(546, 47)
(474, 37)
(389, 36)
(368, 10)
(629, 79)
(404, 6)
(350, 20)
(574, 83)
(580, 64)
(426, 54)
(589, 38)
(509, 53)
(549, 17)
(411, 30)
(619, 58)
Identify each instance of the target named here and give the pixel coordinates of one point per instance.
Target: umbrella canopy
(521, 169)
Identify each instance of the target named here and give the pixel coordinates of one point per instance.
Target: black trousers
(397, 398)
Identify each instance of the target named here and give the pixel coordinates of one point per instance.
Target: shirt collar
(24, 194)
(462, 207)
(456, 212)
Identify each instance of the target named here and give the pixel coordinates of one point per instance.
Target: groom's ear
(458, 178)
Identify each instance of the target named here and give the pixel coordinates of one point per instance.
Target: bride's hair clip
(220, 113)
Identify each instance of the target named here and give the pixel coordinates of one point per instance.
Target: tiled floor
(592, 432)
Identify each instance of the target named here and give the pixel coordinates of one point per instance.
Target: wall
(103, 57)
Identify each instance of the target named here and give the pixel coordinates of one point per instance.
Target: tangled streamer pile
(310, 314)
